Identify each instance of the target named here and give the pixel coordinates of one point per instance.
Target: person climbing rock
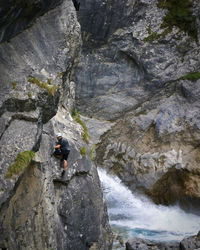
(62, 150)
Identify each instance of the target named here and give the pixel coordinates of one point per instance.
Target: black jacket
(64, 145)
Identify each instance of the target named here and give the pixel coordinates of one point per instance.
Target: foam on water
(137, 216)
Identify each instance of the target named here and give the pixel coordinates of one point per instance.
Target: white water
(135, 216)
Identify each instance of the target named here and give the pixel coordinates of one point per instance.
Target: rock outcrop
(47, 212)
(178, 185)
(142, 74)
(40, 44)
(140, 244)
(192, 242)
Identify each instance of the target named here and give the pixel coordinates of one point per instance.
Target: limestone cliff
(40, 44)
(140, 71)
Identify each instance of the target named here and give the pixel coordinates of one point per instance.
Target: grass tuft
(83, 151)
(21, 162)
(85, 135)
(44, 85)
(193, 76)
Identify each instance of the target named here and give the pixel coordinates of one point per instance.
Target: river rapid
(134, 216)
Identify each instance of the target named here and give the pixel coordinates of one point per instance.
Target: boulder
(192, 242)
(178, 186)
(141, 244)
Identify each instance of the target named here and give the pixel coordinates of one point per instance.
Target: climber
(62, 150)
(76, 4)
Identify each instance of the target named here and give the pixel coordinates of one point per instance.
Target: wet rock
(192, 242)
(178, 185)
(140, 244)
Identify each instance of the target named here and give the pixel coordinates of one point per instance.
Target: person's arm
(57, 146)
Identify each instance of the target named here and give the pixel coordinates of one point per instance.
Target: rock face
(38, 210)
(192, 242)
(137, 73)
(136, 243)
(44, 212)
(179, 185)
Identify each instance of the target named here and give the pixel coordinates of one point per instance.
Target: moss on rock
(83, 151)
(180, 15)
(193, 76)
(21, 162)
(85, 135)
(44, 85)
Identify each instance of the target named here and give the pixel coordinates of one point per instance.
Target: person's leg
(65, 165)
(65, 157)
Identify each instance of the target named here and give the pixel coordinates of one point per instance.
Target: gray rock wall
(43, 212)
(37, 52)
(186, 244)
(133, 77)
(37, 210)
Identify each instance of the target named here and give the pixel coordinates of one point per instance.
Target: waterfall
(131, 215)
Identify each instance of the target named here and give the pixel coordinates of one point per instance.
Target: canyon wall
(139, 73)
(40, 44)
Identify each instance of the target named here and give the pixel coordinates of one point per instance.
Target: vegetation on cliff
(193, 76)
(180, 15)
(44, 85)
(83, 151)
(21, 162)
(76, 116)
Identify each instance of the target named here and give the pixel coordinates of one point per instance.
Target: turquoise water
(131, 215)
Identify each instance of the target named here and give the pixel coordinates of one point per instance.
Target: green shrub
(180, 15)
(21, 162)
(44, 85)
(83, 151)
(193, 76)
